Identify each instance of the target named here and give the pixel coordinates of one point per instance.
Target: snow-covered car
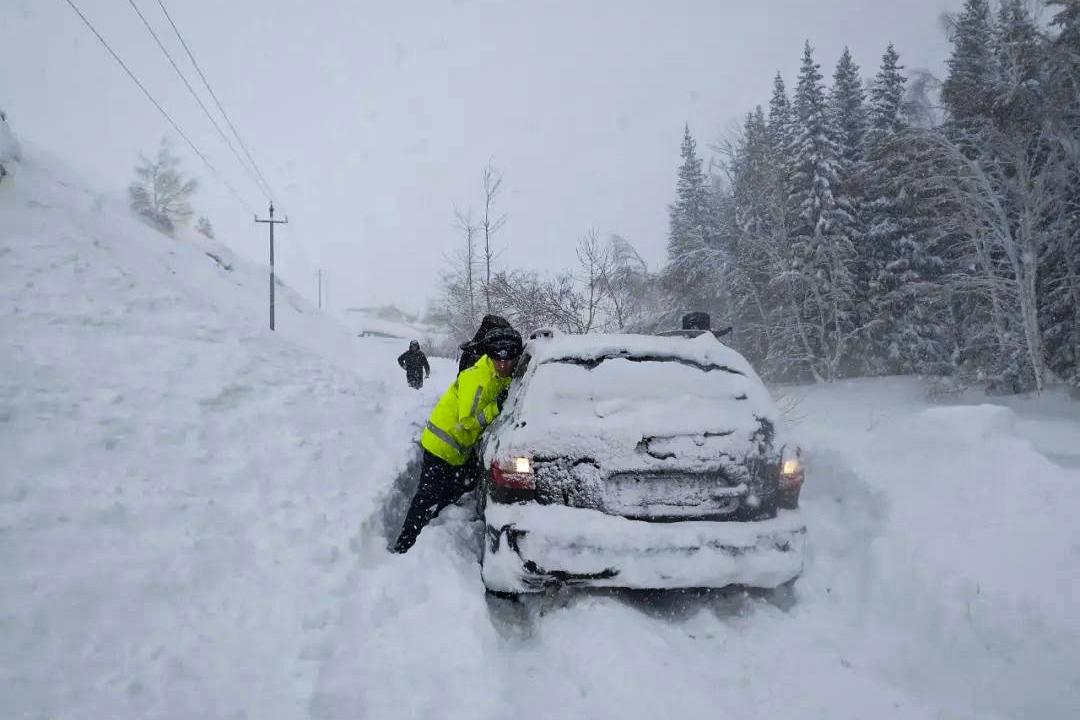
(638, 461)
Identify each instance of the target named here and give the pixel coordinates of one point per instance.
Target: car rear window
(593, 385)
(593, 362)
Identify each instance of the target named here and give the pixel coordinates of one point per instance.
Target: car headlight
(791, 466)
(522, 465)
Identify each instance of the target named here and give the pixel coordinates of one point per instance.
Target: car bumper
(531, 546)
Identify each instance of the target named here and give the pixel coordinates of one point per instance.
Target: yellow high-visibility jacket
(463, 412)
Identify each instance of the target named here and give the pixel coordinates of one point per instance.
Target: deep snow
(194, 513)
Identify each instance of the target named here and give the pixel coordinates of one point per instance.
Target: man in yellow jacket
(459, 419)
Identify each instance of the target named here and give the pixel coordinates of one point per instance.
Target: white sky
(373, 119)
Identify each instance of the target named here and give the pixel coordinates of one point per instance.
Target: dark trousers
(441, 484)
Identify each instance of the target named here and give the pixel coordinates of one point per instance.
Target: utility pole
(318, 286)
(272, 222)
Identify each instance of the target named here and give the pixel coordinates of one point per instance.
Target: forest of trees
(868, 226)
(866, 230)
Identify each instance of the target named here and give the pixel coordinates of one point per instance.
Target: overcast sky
(372, 120)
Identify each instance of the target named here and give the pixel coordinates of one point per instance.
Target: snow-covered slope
(194, 512)
(178, 486)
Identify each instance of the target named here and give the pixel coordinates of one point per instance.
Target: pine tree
(886, 99)
(822, 252)
(780, 133)
(780, 126)
(906, 306)
(1021, 72)
(848, 113)
(968, 89)
(691, 233)
(1060, 307)
(848, 108)
(752, 261)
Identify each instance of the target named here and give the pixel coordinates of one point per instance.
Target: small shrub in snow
(160, 194)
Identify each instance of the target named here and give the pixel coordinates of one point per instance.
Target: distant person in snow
(415, 364)
(465, 410)
(471, 349)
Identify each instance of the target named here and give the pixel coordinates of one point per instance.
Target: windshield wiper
(593, 362)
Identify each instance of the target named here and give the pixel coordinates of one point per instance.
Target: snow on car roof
(587, 397)
(705, 350)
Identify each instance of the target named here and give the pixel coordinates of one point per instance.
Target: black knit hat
(502, 343)
(489, 323)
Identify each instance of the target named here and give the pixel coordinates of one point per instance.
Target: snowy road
(194, 512)
(916, 603)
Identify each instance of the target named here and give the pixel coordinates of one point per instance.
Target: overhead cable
(266, 186)
(160, 109)
(195, 95)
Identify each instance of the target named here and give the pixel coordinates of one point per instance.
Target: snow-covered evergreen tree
(847, 104)
(1060, 310)
(754, 258)
(781, 119)
(885, 113)
(691, 250)
(848, 112)
(906, 305)
(968, 90)
(1021, 79)
(825, 323)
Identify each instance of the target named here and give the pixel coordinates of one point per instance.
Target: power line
(266, 186)
(160, 109)
(195, 95)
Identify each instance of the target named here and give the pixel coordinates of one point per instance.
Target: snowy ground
(193, 518)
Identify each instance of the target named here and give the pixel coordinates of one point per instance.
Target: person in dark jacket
(415, 364)
(472, 350)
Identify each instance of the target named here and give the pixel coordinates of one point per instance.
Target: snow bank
(950, 540)
(180, 488)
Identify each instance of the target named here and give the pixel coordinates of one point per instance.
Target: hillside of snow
(179, 486)
(194, 513)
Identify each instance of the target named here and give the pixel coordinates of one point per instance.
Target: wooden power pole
(272, 222)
